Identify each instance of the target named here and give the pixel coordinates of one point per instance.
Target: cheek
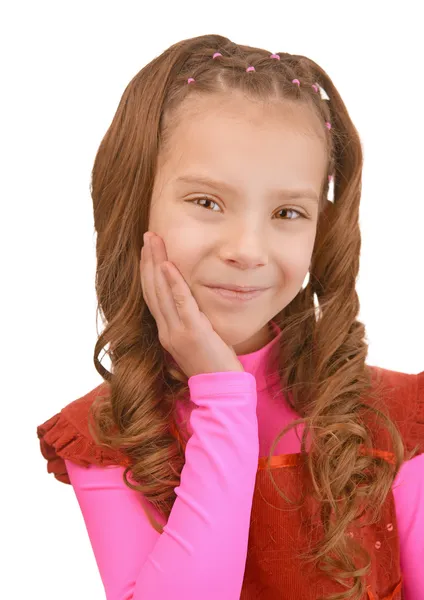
(179, 238)
(184, 248)
(295, 267)
(295, 260)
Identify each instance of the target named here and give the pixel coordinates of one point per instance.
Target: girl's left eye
(281, 209)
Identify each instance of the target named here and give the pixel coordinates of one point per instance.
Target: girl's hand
(184, 331)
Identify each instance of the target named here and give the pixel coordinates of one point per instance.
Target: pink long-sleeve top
(234, 421)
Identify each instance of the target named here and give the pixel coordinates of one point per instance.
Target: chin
(241, 333)
(230, 328)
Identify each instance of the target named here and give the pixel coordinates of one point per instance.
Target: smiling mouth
(234, 295)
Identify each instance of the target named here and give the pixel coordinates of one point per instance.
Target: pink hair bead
(378, 545)
(314, 86)
(390, 527)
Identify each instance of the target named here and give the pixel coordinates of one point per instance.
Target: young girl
(241, 447)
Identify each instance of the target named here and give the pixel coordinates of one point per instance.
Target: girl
(226, 278)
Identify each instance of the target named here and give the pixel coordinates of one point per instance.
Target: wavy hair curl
(324, 374)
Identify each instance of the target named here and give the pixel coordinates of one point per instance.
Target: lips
(235, 295)
(237, 288)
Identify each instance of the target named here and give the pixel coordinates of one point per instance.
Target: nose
(247, 248)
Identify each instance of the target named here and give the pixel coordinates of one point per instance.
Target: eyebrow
(213, 183)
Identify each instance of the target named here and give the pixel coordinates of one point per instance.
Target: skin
(240, 236)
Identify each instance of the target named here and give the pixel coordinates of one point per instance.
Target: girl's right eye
(204, 198)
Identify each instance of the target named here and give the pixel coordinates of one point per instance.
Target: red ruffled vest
(276, 536)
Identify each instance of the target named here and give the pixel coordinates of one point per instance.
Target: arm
(202, 551)
(408, 491)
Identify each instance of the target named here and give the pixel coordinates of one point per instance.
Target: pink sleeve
(202, 551)
(408, 491)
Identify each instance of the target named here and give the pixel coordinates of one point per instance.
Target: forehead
(236, 138)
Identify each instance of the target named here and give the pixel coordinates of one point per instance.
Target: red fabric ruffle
(65, 435)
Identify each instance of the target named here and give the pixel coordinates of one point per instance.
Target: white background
(64, 68)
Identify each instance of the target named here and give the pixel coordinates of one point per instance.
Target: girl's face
(244, 229)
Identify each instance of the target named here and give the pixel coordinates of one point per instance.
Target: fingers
(168, 297)
(163, 295)
(156, 290)
(147, 278)
(186, 305)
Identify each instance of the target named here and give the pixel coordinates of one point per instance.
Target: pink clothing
(234, 421)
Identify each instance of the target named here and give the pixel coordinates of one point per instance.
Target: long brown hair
(323, 375)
